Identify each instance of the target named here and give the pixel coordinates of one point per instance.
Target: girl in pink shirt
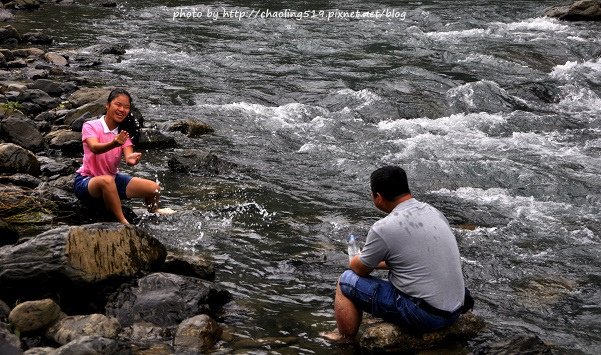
(103, 146)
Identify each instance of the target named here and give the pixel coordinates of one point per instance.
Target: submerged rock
(482, 96)
(165, 299)
(582, 10)
(153, 138)
(190, 127)
(195, 161)
(521, 344)
(268, 342)
(391, 338)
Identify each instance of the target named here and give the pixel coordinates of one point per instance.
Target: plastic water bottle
(353, 248)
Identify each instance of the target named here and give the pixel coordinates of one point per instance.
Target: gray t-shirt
(420, 249)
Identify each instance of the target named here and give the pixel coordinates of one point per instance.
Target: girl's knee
(105, 181)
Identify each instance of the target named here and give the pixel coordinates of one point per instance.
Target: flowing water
(494, 111)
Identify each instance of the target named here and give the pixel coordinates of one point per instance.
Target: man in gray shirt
(425, 288)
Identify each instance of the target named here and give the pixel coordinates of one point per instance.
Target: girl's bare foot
(165, 211)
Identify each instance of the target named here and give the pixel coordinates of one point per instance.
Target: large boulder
(22, 131)
(14, 159)
(77, 255)
(73, 327)
(201, 162)
(386, 337)
(582, 10)
(165, 299)
(197, 334)
(30, 316)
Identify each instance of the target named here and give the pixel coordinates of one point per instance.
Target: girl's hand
(133, 158)
(121, 138)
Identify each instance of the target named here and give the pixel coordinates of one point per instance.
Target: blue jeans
(381, 299)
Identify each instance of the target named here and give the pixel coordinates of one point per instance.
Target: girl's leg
(104, 187)
(146, 189)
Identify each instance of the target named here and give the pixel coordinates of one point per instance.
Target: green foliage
(11, 106)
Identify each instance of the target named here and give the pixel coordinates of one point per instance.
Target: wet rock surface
(582, 10)
(387, 337)
(34, 315)
(165, 299)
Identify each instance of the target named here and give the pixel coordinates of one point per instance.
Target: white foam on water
(365, 96)
(537, 24)
(460, 122)
(545, 215)
(529, 28)
(158, 55)
(568, 70)
(286, 116)
(579, 98)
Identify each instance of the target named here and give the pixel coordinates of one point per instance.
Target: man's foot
(335, 337)
(165, 211)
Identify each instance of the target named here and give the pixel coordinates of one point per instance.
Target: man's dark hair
(390, 182)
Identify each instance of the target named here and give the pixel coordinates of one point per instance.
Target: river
(494, 111)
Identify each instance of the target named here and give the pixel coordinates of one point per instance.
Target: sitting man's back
(425, 288)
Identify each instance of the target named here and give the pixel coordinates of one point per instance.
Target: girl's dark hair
(134, 120)
(390, 181)
(116, 92)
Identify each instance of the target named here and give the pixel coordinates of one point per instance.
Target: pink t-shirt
(100, 164)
